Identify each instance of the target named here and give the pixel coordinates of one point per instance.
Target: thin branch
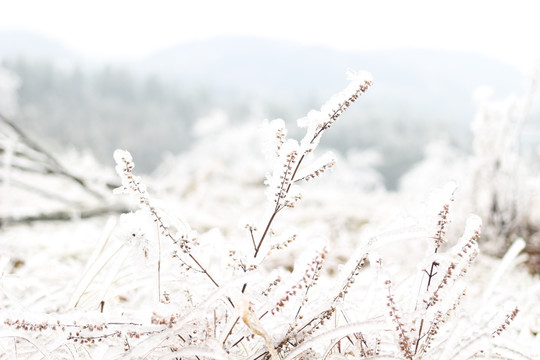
(53, 163)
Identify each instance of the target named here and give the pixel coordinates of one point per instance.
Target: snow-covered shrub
(503, 189)
(497, 181)
(497, 170)
(155, 288)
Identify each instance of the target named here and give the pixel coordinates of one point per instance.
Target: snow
(179, 274)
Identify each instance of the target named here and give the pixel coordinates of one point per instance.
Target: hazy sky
(128, 29)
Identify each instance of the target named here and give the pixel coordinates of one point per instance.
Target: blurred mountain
(431, 82)
(427, 81)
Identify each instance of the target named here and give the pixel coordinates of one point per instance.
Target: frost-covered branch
(133, 185)
(291, 154)
(51, 164)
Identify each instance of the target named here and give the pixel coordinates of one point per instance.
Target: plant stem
(265, 232)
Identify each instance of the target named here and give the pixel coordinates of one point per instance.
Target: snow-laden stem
(351, 95)
(258, 247)
(133, 184)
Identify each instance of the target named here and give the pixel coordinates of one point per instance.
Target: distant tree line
(107, 108)
(115, 107)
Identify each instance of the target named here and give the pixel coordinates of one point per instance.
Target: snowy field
(253, 245)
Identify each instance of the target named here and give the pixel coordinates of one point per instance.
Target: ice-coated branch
(47, 160)
(400, 331)
(290, 154)
(132, 184)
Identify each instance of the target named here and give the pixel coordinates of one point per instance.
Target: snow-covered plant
(154, 288)
(504, 189)
(499, 180)
(499, 170)
(283, 192)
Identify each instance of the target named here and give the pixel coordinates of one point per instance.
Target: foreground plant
(195, 297)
